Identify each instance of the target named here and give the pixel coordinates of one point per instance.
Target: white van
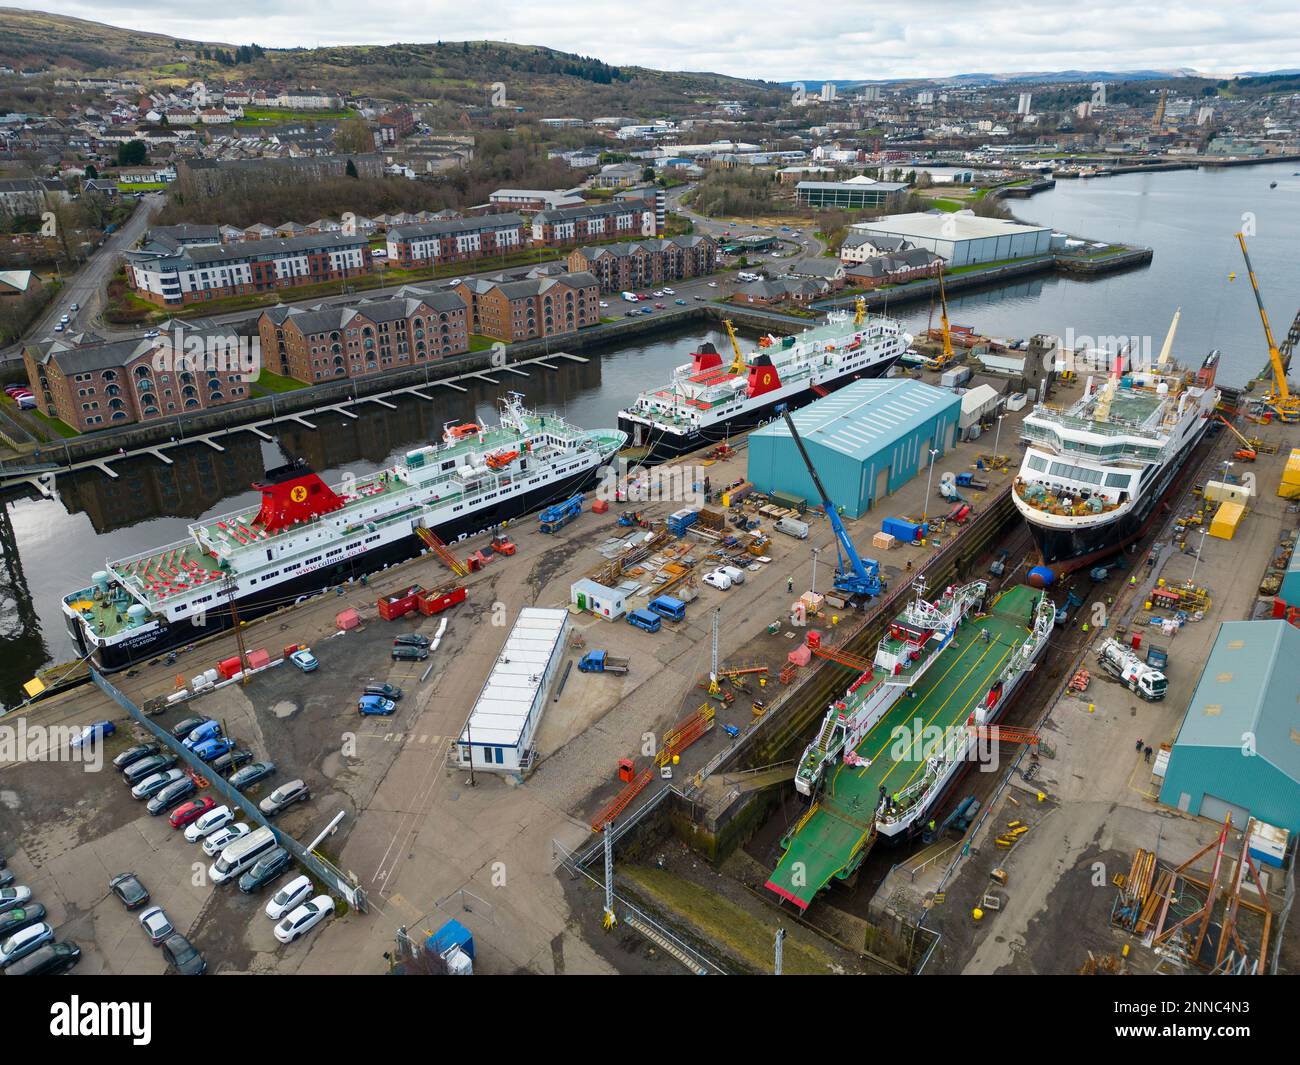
(242, 855)
(717, 579)
(736, 576)
(631, 297)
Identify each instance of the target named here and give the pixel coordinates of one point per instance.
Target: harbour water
(1188, 217)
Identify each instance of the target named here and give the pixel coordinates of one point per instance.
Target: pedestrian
(1133, 580)
(909, 565)
(1139, 746)
(1085, 628)
(789, 585)
(1146, 753)
(930, 826)
(984, 635)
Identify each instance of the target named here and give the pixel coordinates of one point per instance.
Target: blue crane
(854, 575)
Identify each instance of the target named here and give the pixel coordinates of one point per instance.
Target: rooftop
(956, 226)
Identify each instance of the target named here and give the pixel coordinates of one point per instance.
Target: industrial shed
(866, 440)
(1238, 750)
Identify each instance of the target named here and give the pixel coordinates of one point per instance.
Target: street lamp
(997, 438)
(925, 508)
(1199, 548)
(813, 589)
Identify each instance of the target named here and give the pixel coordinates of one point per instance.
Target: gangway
(440, 549)
(622, 799)
(1007, 734)
(844, 658)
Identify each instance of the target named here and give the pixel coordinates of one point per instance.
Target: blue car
(210, 749)
(375, 704)
(304, 660)
(209, 730)
(93, 733)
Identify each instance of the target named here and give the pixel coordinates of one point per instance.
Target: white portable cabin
(608, 603)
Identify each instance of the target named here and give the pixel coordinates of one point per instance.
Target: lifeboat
(764, 342)
(452, 433)
(500, 459)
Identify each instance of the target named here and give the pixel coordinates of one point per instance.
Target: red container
(347, 619)
(436, 604)
(228, 667)
(396, 606)
(599, 506)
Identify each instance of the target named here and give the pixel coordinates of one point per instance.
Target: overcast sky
(770, 39)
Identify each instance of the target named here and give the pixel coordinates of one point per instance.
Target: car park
(93, 733)
(209, 730)
(128, 889)
(14, 896)
(411, 639)
(171, 795)
(208, 822)
(153, 784)
(214, 748)
(182, 956)
(21, 917)
(388, 691)
(183, 728)
(404, 653)
(223, 838)
(24, 942)
(233, 759)
(134, 754)
(299, 922)
(266, 870)
(304, 660)
(156, 924)
(375, 705)
(49, 959)
(251, 774)
(290, 897)
(147, 767)
(283, 797)
(189, 812)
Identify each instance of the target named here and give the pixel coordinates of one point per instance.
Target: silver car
(156, 924)
(14, 896)
(23, 942)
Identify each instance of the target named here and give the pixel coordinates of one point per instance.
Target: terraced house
(415, 328)
(603, 221)
(535, 307)
(191, 274)
(455, 240)
(96, 384)
(641, 263)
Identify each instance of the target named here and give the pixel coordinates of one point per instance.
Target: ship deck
(841, 824)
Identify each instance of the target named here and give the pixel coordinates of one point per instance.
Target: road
(800, 238)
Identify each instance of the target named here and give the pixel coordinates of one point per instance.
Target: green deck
(840, 827)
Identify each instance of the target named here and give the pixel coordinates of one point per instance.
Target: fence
(324, 870)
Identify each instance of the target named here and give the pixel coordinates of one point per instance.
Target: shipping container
(1226, 520)
(901, 529)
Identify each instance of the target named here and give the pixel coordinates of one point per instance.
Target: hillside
(460, 73)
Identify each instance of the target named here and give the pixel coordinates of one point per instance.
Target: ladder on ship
(844, 658)
(440, 549)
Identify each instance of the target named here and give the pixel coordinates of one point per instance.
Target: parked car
(24, 942)
(698, 299)
(737, 575)
(156, 924)
(21, 917)
(375, 705)
(388, 691)
(251, 774)
(223, 838)
(304, 660)
(14, 896)
(208, 822)
(75, 307)
(717, 579)
(647, 310)
(171, 795)
(6, 877)
(290, 897)
(403, 653)
(147, 767)
(182, 956)
(660, 306)
(214, 748)
(680, 303)
(283, 797)
(411, 639)
(49, 959)
(265, 870)
(209, 730)
(183, 728)
(152, 785)
(302, 920)
(93, 733)
(127, 887)
(189, 812)
(233, 759)
(134, 754)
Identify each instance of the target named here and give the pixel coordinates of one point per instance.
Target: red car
(191, 811)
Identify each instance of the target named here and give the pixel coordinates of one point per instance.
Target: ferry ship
(306, 536)
(1093, 474)
(707, 399)
(915, 719)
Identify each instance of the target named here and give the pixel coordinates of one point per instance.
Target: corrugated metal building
(866, 440)
(499, 732)
(1238, 750)
(1289, 593)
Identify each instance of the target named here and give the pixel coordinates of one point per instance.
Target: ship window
(1037, 463)
(1116, 480)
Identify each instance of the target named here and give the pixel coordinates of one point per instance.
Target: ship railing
(1112, 427)
(178, 545)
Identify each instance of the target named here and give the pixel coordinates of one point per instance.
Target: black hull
(667, 446)
(116, 657)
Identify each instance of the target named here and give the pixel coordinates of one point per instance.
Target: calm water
(1188, 217)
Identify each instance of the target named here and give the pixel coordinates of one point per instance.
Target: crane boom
(859, 576)
(1280, 398)
(738, 362)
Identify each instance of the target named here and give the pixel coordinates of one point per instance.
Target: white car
(670, 292)
(289, 897)
(223, 838)
(302, 920)
(209, 823)
(603, 303)
(718, 579)
(657, 293)
(713, 284)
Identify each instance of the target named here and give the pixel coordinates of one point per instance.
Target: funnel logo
(299, 493)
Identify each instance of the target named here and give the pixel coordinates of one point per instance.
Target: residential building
(858, 246)
(576, 225)
(536, 307)
(210, 176)
(193, 274)
(640, 263)
(894, 268)
(829, 270)
(455, 240)
(22, 196)
(532, 200)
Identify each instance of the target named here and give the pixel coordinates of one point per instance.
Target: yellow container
(1226, 519)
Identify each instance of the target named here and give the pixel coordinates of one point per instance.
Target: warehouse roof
(865, 416)
(959, 225)
(501, 712)
(1248, 688)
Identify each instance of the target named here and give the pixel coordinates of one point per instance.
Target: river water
(1187, 217)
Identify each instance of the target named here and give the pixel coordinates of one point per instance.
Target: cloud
(772, 39)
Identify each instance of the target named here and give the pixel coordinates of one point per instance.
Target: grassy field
(142, 186)
(268, 382)
(258, 116)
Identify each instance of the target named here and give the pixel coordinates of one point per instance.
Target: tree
(353, 136)
(132, 153)
(91, 171)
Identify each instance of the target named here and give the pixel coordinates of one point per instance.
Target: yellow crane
(738, 364)
(1280, 398)
(946, 357)
(860, 314)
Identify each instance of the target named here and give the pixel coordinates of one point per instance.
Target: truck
(453, 945)
(969, 480)
(601, 662)
(559, 515)
(1137, 676)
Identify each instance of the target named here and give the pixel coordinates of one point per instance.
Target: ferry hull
(664, 446)
(112, 658)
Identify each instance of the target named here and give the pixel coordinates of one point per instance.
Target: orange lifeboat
(452, 433)
(500, 459)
